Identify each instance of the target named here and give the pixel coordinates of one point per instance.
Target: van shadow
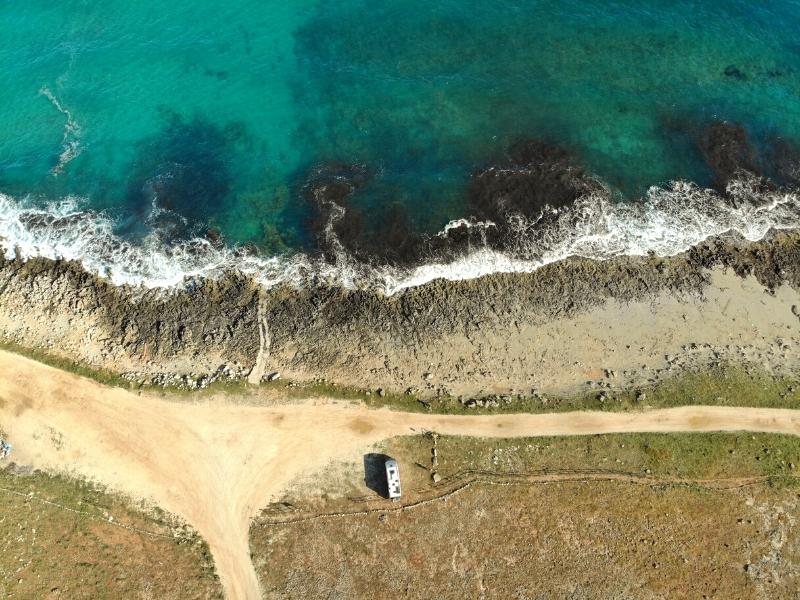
(375, 473)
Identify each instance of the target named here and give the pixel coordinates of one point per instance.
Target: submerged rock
(533, 180)
(726, 149)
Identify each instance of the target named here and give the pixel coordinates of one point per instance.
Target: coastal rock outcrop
(354, 337)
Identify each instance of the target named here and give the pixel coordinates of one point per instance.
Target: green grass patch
(719, 386)
(103, 376)
(673, 455)
(722, 386)
(74, 494)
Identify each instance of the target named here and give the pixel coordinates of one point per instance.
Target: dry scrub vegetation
(613, 516)
(61, 538)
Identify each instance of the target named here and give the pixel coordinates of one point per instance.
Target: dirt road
(217, 463)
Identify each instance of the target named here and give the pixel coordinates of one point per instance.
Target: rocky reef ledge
(553, 330)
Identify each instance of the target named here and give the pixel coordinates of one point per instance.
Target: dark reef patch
(513, 200)
(723, 150)
(534, 176)
(727, 149)
(183, 170)
(219, 75)
(327, 190)
(533, 180)
(387, 236)
(735, 73)
(783, 158)
(730, 151)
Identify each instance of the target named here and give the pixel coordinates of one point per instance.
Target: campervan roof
(393, 478)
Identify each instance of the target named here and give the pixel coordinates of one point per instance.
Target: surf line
(70, 141)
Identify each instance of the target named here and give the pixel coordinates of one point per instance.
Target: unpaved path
(216, 464)
(264, 343)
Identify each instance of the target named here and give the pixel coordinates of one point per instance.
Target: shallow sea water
(218, 111)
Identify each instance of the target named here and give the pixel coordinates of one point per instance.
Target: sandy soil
(216, 463)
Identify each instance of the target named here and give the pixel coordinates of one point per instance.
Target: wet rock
(533, 180)
(331, 332)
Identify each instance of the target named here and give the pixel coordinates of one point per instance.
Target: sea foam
(666, 221)
(70, 140)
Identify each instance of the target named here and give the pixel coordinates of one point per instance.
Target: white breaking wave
(63, 231)
(70, 141)
(665, 222)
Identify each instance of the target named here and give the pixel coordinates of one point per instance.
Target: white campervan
(393, 478)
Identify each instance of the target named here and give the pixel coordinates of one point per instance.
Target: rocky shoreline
(549, 330)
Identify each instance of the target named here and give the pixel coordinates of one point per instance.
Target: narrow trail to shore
(264, 343)
(216, 464)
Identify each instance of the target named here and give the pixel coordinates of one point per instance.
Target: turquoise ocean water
(218, 111)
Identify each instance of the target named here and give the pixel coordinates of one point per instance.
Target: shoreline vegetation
(724, 385)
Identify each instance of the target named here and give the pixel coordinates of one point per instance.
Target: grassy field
(560, 540)
(721, 386)
(690, 515)
(680, 455)
(61, 538)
